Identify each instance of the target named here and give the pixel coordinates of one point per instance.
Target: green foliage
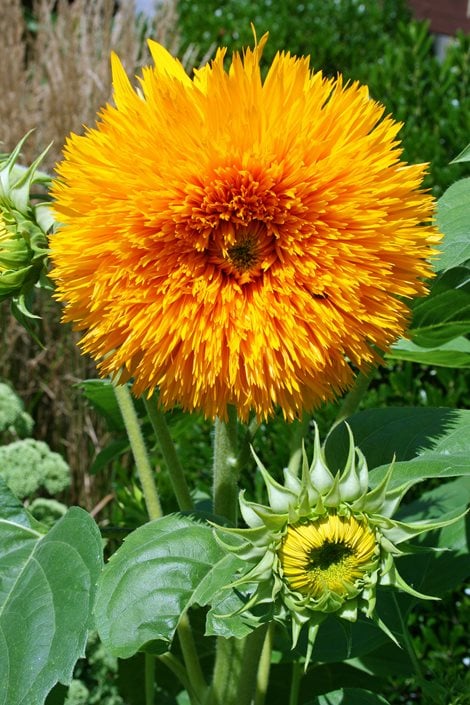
(162, 569)
(374, 42)
(15, 422)
(440, 324)
(453, 219)
(47, 511)
(29, 465)
(46, 595)
(339, 36)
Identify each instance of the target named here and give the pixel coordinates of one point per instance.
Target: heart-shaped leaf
(47, 586)
(161, 569)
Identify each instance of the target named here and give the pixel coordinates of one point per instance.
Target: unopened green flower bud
(23, 228)
(323, 543)
(23, 247)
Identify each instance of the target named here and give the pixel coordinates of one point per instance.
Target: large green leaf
(349, 696)
(436, 573)
(445, 313)
(12, 509)
(100, 394)
(453, 219)
(338, 640)
(425, 467)
(455, 353)
(161, 569)
(47, 586)
(402, 433)
(320, 678)
(463, 156)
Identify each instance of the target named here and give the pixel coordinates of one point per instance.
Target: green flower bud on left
(23, 228)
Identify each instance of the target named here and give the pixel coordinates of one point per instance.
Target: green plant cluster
(375, 42)
(15, 422)
(29, 465)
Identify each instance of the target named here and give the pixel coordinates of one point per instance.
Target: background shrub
(377, 43)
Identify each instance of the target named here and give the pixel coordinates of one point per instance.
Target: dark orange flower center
(242, 252)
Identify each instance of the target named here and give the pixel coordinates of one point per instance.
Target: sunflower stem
(299, 429)
(154, 510)
(149, 679)
(236, 669)
(297, 673)
(191, 658)
(149, 488)
(134, 433)
(178, 480)
(410, 649)
(262, 679)
(177, 668)
(226, 466)
(353, 398)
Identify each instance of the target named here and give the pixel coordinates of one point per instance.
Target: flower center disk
(327, 555)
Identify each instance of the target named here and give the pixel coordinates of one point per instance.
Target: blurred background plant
(54, 76)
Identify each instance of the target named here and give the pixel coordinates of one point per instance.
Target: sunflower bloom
(233, 240)
(322, 545)
(327, 554)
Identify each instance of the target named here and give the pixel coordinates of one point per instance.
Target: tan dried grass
(55, 80)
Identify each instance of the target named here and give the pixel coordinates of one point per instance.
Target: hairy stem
(297, 673)
(177, 668)
(262, 679)
(353, 398)
(408, 642)
(144, 470)
(236, 669)
(191, 658)
(152, 501)
(149, 679)
(299, 429)
(225, 475)
(178, 480)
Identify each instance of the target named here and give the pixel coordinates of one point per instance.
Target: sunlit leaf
(403, 433)
(349, 696)
(455, 353)
(464, 156)
(445, 313)
(47, 586)
(161, 569)
(453, 219)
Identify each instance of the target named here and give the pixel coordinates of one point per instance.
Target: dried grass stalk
(55, 80)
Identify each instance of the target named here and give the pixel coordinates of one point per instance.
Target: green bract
(324, 542)
(23, 228)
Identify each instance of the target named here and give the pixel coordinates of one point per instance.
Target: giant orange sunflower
(233, 240)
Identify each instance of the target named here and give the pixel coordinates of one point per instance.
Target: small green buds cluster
(23, 228)
(323, 544)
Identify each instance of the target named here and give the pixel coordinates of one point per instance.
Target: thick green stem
(297, 673)
(149, 488)
(299, 429)
(154, 511)
(178, 480)
(149, 679)
(177, 668)
(226, 467)
(408, 642)
(236, 669)
(191, 658)
(144, 470)
(236, 662)
(262, 679)
(353, 398)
